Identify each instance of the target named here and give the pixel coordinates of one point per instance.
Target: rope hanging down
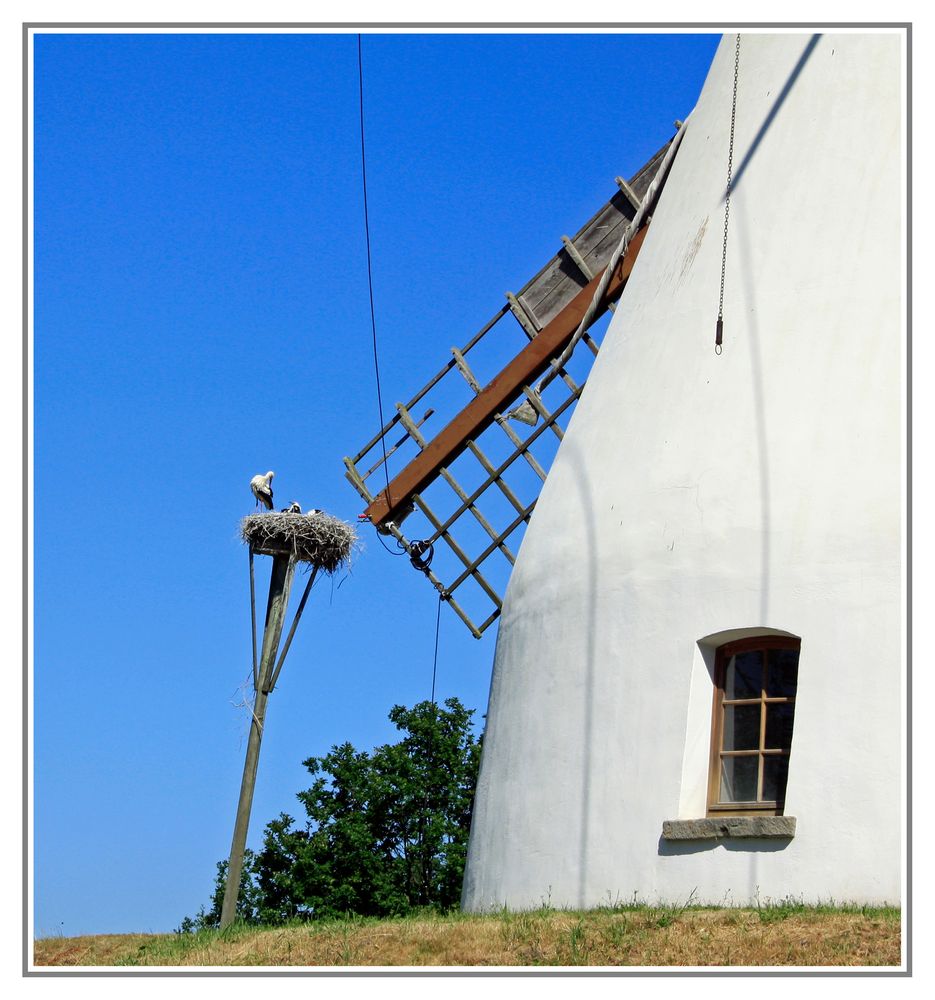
(525, 408)
(719, 329)
(438, 618)
(373, 322)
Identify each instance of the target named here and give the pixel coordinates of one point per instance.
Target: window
(754, 703)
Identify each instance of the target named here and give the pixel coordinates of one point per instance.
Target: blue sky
(201, 315)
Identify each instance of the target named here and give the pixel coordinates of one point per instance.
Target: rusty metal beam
(480, 413)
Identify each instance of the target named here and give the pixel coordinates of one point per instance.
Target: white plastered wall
(696, 494)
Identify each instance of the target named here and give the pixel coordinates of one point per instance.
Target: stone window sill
(720, 828)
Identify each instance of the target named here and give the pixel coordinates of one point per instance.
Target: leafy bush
(385, 832)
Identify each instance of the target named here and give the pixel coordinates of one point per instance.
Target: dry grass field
(775, 935)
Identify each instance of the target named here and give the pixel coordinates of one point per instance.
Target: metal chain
(730, 167)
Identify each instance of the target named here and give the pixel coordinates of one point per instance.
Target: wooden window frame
(722, 658)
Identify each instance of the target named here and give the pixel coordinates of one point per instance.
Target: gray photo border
(28, 29)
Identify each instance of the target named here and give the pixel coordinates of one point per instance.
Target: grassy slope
(780, 934)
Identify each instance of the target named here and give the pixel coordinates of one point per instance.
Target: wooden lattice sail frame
(549, 310)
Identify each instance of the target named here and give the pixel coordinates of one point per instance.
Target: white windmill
(697, 682)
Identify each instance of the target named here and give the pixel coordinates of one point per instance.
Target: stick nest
(319, 539)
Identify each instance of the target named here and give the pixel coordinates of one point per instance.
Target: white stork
(263, 490)
(293, 508)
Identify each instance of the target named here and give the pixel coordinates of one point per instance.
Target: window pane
(779, 726)
(738, 778)
(741, 727)
(781, 673)
(775, 772)
(744, 675)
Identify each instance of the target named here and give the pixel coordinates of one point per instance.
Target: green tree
(247, 902)
(385, 832)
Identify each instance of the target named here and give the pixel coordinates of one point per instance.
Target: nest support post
(280, 585)
(324, 544)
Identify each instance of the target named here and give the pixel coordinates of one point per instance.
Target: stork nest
(319, 539)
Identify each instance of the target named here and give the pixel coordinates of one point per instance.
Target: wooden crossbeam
(481, 412)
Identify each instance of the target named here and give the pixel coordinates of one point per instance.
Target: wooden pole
(279, 586)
